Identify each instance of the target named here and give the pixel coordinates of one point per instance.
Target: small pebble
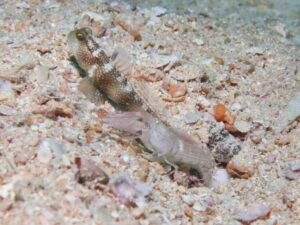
(42, 73)
(7, 190)
(6, 111)
(191, 118)
(242, 126)
(203, 134)
(44, 155)
(221, 114)
(204, 102)
(255, 50)
(256, 138)
(70, 134)
(6, 87)
(204, 203)
(53, 146)
(220, 177)
(198, 41)
(188, 213)
(6, 204)
(291, 113)
(269, 159)
(21, 157)
(236, 106)
(199, 207)
(158, 11)
(138, 213)
(101, 214)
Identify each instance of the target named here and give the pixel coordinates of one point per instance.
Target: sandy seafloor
(242, 54)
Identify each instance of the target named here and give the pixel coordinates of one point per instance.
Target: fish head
(82, 45)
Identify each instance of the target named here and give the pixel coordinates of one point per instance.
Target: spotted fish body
(172, 146)
(102, 70)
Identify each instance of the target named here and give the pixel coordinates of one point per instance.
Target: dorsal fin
(122, 61)
(153, 105)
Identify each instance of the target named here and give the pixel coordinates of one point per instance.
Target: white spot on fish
(90, 44)
(120, 78)
(127, 88)
(92, 70)
(96, 52)
(108, 67)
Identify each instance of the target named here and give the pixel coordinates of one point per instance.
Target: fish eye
(88, 31)
(80, 35)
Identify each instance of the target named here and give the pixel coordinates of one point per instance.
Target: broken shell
(179, 99)
(90, 135)
(219, 60)
(151, 75)
(177, 90)
(56, 109)
(90, 174)
(221, 114)
(129, 191)
(132, 30)
(164, 61)
(239, 169)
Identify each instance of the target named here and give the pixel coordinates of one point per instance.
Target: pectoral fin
(127, 121)
(87, 87)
